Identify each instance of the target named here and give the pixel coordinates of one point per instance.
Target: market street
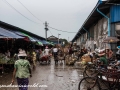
(53, 77)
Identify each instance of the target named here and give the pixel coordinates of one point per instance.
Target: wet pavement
(49, 77)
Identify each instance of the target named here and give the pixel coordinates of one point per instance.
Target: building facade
(102, 22)
(55, 40)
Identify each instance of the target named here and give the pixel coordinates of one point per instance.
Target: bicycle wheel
(92, 84)
(90, 71)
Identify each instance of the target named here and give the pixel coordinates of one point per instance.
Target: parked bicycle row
(101, 73)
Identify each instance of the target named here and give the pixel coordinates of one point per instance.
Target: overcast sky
(66, 15)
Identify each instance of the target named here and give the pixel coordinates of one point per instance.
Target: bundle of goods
(67, 59)
(85, 59)
(70, 60)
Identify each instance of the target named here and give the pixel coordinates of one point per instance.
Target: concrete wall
(99, 31)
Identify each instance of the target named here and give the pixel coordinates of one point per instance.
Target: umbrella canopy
(111, 40)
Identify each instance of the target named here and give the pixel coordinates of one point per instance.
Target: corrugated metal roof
(14, 28)
(113, 1)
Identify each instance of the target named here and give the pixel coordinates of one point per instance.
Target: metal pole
(58, 38)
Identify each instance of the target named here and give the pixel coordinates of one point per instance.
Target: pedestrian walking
(34, 59)
(55, 53)
(46, 51)
(22, 71)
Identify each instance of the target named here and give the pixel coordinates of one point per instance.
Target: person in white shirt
(46, 51)
(55, 53)
(55, 50)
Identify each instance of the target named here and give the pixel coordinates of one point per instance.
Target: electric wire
(29, 11)
(38, 18)
(50, 32)
(18, 11)
(60, 30)
(33, 15)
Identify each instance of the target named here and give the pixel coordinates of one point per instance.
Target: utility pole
(46, 29)
(58, 39)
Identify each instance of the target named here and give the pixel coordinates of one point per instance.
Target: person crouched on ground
(22, 71)
(103, 60)
(109, 53)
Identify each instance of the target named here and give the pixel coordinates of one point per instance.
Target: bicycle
(104, 80)
(91, 69)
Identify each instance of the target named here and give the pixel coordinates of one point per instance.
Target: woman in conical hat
(22, 71)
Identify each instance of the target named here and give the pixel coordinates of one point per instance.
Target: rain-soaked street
(53, 77)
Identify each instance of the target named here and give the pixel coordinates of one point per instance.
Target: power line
(29, 11)
(61, 30)
(18, 11)
(33, 15)
(50, 32)
(39, 19)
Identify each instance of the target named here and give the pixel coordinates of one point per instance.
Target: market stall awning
(39, 41)
(25, 35)
(44, 42)
(51, 43)
(33, 39)
(47, 42)
(2, 36)
(8, 34)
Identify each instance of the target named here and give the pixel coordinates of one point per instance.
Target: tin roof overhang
(14, 28)
(113, 2)
(93, 17)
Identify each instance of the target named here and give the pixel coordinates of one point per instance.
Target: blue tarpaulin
(8, 34)
(2, 36)
(33, 39)
(44, 42)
